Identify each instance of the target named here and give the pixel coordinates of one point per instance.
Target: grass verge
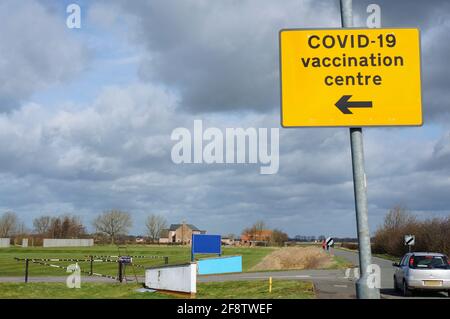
(388, 257)
(340, 263)
(286, 289)
(281, 289)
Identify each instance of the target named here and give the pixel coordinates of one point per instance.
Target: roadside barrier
(122, 262)
(139, 256)
(34, 261)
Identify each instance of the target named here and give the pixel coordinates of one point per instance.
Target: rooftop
(174, 227)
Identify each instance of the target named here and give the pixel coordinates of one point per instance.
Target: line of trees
(66, 226)
(116, 223)
(432, 235)
(109, 226)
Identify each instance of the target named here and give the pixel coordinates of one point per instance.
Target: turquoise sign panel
(219, 265)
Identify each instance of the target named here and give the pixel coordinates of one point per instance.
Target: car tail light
(411, 261)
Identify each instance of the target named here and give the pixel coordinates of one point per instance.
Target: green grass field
(176, 254)
(341, 263)
(286, 289)
(281, 289)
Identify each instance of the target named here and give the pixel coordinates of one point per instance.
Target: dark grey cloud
(433, 20)
(223, 55)
(404, 13)
(219, 55)
(35, 51)
(438, 161)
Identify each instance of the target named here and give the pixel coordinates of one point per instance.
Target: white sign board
(4, 242)
(410, 240)
(330, 241)
(178, 278)
(54, 242)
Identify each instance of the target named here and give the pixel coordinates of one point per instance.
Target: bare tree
(42, 225)
(155, 224)
(71, 227)
(22, 229)
(255, 232)
(278, 237)
(389, 238)
(9, 222)
(397, 218)
(55, 230)
(257, 229)
(113, 223)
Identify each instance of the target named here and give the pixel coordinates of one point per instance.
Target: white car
(422, 271)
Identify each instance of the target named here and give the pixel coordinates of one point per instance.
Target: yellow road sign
(350, 77)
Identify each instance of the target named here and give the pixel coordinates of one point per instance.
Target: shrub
(432, 235)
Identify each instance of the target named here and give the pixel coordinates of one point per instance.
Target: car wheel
(405, 289)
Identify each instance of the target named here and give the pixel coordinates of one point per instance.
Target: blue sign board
(206, 244)
(125, 259)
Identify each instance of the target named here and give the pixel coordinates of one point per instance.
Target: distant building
(228, 241)
(179, 234)
(256, 237)
(140, 240)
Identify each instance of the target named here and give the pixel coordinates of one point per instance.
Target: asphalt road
(387, 273)
(329, 284)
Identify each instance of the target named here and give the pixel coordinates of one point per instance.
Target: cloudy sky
(87, 114)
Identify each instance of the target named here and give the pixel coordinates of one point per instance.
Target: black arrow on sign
(344, 104)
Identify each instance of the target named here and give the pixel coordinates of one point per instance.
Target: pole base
(363, 291)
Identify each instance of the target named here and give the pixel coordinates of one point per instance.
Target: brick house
(179, 233)
(254, 238)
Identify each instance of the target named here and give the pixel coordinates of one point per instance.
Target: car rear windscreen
(429, 261)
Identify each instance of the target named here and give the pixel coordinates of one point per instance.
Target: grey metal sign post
(363, 291)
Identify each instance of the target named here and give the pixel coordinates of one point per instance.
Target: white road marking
(341, 286)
